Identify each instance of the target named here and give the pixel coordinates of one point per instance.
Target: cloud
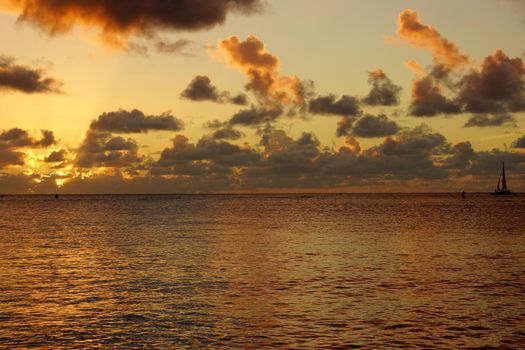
(330, 105)
(135, 121)
(428, 98)
(482, 120)
(201, 89)
(101, 149)
(262, 69)
(206, 157)
(519, 143)
(384, 92)
(12, 140)
(344, 126)
(227, 133)
(56, 156)
(254, 116)
(118, 20)
(497, 87)
(462, 156)
(412, 31)
(174, 48)
(375, 126)
(15, 77)
(419, 140)
(10, 157)
(19, 138)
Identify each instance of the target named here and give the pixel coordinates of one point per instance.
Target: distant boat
(503, 190)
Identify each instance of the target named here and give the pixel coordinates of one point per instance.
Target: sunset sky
(269, 96)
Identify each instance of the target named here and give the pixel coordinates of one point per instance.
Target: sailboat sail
(503, 180)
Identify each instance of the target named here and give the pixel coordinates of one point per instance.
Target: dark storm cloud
(482, 120)
(519, 143)
(498, 87)
(131, 17)
(255, 116)
(375, 126)
(15, 77)
(330, 105)
(201, 89)
(384, 92)
(135, 121)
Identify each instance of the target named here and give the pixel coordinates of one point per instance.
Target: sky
(261, 96)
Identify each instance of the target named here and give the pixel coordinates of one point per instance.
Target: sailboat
(503, 190)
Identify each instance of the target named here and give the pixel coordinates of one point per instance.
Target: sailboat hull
(503, 193)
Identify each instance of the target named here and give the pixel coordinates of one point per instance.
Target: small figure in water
(56, 196)
(1, 196)
(463, 195)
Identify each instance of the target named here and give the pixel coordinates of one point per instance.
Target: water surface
(264, 271)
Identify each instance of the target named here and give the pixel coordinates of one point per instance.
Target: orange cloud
(412, 31)
(262, 68)
(117, 20)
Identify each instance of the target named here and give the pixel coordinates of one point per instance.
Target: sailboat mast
(499, 181)
(503, 180)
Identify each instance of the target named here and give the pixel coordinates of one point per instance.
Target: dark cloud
(428, 99)
(227, 133)
(56, 156)
(15, 77)
(483, 120)
(178, 47)
(18, 138)
(384, 92)
(344, 126)
(100, 149)
(255, 116)
(375, 126)
(240, 99)
(419, 140)
(121, 19)
(206, 157)
(135, 121)
(14, 139)
(330, 105)
(462, 156)
(519, 143)
(9, 157)
(498, 87)
(201, 89)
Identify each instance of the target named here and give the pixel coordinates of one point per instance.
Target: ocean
(334, 271)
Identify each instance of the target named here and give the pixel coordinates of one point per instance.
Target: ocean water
(262, 271)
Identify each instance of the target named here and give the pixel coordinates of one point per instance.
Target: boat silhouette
(503, 190)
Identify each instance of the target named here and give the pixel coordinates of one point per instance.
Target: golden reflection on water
(283, 271)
